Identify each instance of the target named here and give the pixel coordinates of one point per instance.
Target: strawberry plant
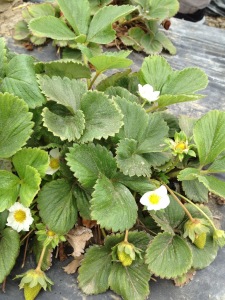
(82, 27)
(99, 163)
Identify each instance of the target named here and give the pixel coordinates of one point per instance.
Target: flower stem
(103, 233)
(144, 103)
(41, 259)
(93, 80)
(131, 20)
(126, 236)
(180, 203)
(199, 209)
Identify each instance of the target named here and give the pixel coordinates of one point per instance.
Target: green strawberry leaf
(130, 282)
(46, 27)
(88, 162)
(57, 206)
(186, 81)
(83, 202)
(111, 60)
(77, 14)
(63, 91)
(100, 28)
(21, 81)
(40, 10)
(165, 256)
(64, 68)
(33, 157)
(113, 205)
(10, 185)
(30, 185)
(69, 127)
(204, 257)
(15, 125)
(195, 190)
(8, 253)
(155, 71)
(170, 217)
(209, 136)
(94, 270)
(102, 117)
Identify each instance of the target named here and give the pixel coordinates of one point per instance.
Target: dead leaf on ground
(73, 265)
(77, 237)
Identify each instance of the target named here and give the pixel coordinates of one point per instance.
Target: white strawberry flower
(146, 91)
(157, 199)
(54, 161)
(19, 217)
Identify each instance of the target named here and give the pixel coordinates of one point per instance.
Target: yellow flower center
(54, 163)
(20, 216)
(181, 146)
(50, 233)
(154, 198)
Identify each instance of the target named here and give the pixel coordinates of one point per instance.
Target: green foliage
(20, 80)
(112, 273)
(80, 25)
(8, 255)
(15, 126)
(162, 249)
(113, 206)
(80, 147)
(57, 206)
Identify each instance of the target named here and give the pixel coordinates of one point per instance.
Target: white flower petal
(146, 92)
(54, 153)
(162, 202)
(51, 171)
(22, 224)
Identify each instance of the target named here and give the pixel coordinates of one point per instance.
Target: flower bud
(194, 228)
(32, 282)
(125, 252)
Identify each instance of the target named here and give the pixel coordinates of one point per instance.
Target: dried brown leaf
(77, 237)
(72, 267)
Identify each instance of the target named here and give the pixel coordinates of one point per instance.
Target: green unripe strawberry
(200, 240)
(124, 258)
(31, 293)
